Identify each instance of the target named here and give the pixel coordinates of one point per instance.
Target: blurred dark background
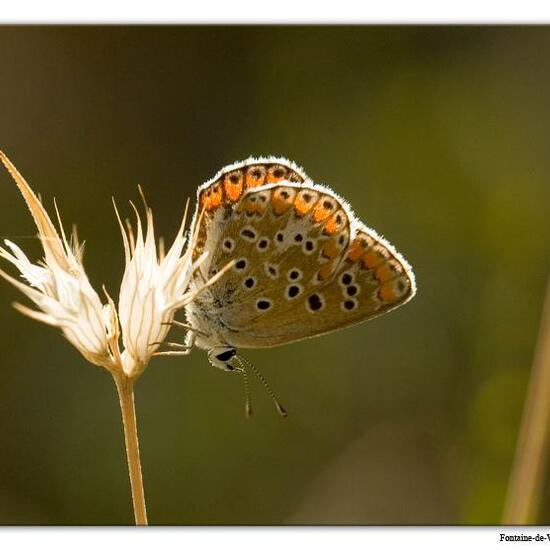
(439, 138)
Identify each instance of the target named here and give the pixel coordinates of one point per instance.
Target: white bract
(154, 287)
(152, 290)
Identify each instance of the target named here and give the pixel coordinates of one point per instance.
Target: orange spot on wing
(371, 259)
(301, 206)
(211, 198)
(273, 179)
(356, 251)
(276, 173)
(330, 250)
(320, 213)
(383, 273)
(387, 293)
(331, 226)
(251, 181)
(254, 209)
(280, 204)
(326, 271)
(233, 190)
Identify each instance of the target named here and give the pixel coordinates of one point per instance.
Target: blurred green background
(439, 138)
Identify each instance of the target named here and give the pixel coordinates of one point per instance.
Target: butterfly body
(303, 264)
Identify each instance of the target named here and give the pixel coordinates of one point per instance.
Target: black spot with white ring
(315, 302)
(249, 234)
(228, 244)
(263, 243)
(263, 304)
(249, 283)
(308, 247)
(351, 290)
(346, 278)
(294, 274)
(293, 290)
(272, 271)
(349, 305)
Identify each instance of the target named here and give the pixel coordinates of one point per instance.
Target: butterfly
(302, 264)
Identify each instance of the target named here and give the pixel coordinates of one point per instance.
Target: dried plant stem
(527, 477)
(125, 388)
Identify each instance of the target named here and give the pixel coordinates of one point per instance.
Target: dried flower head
(154, 287)
(58, 285)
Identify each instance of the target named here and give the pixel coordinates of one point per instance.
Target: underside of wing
(228, 186)
(304, 266)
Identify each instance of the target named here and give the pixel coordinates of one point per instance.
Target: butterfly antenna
(247, 402)
(280, 409)
(241, 368)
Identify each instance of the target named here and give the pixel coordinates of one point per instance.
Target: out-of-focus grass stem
(530, 462)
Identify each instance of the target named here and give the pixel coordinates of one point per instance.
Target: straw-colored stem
(125, 388)
(530, 462)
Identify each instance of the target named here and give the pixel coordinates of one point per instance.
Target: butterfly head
(226, 358)
(222, 358)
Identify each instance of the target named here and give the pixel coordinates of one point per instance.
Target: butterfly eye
(226, 355)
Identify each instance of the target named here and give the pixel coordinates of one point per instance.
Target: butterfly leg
(186, 326)
(177, 349)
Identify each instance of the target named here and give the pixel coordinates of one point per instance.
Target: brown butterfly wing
(227, 187)
(304, 267)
